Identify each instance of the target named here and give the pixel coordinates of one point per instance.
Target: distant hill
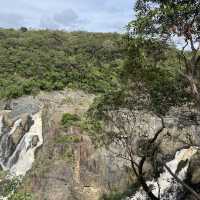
(52, 60)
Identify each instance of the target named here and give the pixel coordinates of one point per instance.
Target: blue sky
(88, 15)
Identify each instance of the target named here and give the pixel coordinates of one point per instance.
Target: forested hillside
(51, 60)
(103, 116)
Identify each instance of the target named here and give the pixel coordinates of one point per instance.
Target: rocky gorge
(65, 164)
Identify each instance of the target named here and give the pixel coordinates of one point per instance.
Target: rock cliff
(64, 164)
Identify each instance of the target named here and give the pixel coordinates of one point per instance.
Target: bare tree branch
(194, 193)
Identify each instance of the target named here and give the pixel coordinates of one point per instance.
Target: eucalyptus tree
(173, 20)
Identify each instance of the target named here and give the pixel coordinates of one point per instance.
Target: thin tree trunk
(143, 181)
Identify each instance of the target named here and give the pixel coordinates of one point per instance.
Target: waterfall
(19, 160)
(166, 185)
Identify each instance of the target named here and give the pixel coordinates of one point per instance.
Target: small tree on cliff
(136, 137)
(173, 19)
(157, 23)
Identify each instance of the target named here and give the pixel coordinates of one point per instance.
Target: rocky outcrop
(182, 129)
(74, 169)
(178, 131)
(26, 123)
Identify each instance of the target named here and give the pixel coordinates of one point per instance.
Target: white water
(166, 181)
(1, 124)
(23, 156)
(5, 143)
(27, 152)
(16, 124)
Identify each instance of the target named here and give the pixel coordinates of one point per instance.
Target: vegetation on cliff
(156, 24)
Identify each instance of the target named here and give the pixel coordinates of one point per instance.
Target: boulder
(23, 105)
(35, 140)
(194, 169)
(22, 129)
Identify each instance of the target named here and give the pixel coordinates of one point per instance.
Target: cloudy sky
(89, 15)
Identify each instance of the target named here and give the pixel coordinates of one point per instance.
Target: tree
(23, 29)
(152, 65)
(157, 23)
(173, 19)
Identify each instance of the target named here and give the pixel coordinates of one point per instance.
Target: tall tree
(173, 20)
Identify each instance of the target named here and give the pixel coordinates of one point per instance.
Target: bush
(69, 120)
(10, 190)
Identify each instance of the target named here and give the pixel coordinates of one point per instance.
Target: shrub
(69, 120)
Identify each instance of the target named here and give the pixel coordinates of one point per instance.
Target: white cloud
(67, 17)
(11, 20)
(90, 15)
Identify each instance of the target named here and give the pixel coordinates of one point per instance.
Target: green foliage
(63, 139)
(93, 127)
(108, 101)
(155, 67)
(20, 196)
(8, 186)
(113, 196)
(167, 18)
(69, 120)
(10, 189)
(51, 60)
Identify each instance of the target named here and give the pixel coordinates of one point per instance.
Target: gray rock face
(23, 105)
(26, 123)
(65, 171)
(194, 169)
(182, 130)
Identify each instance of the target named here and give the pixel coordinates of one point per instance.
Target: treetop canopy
(167, 18)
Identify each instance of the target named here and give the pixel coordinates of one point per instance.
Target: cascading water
(26, 149)
(166, 186)
(6, 143)
(18, 158)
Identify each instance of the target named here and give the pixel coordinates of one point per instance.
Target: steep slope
(51, 60)
(67, 165)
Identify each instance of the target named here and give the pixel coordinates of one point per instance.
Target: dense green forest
(104, 63)
(52, 60)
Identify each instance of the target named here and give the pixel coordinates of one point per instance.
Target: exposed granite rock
(182, 129)
(26, 123)
(24, 105)
(78, 171)
(194, 169)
